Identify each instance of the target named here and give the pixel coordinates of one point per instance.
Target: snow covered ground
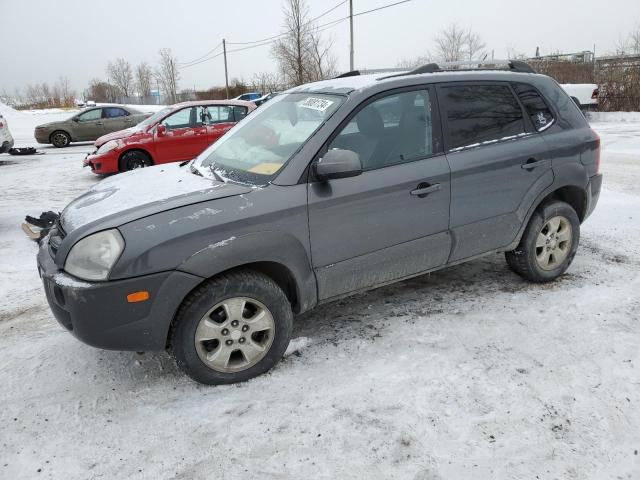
(470, 372)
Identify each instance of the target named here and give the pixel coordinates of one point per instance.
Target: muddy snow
(470, 372)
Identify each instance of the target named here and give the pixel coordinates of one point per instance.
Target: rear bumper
(101, 164)
(98, 314)
(593, 193)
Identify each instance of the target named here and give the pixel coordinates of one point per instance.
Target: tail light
(1, 125)
(594, 95)
(597, 150)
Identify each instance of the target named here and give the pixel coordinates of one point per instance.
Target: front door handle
(425, 189)
(98, 123)
(533, 163)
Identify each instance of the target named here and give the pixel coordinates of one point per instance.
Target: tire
(549, 243)
(60, 139)
(134, 159)
(214, 347)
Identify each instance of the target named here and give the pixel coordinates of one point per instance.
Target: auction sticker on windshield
(319, 104)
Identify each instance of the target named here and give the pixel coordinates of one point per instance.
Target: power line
(269, 40)
(282, 34)
(206, 54)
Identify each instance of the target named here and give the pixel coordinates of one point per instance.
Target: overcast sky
(44, 39)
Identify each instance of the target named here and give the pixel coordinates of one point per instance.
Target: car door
(499, 164)
(183, 138)
(116, 118)
(219, 120)
(391, 221)
(88, 125)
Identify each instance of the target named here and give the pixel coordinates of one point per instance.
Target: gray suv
(329, 189)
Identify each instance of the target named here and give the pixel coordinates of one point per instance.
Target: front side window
(537, 109)
(255, 150)
(394, 129)
(478, 114)
(114, 112)
(180, 119)
(94, 114)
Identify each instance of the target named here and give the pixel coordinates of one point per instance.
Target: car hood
(120, 134)
(132, 195)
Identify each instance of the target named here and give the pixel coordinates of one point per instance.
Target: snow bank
(613, 116)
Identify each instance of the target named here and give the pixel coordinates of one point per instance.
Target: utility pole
(351, 67)
(226, 76)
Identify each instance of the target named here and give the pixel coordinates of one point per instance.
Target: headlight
(93, 256)
(107, 147)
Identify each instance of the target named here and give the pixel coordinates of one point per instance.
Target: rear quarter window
(537, 109)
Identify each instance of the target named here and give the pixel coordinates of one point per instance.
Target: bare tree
(266, 82)
(474, 46)
(144, 75)
(167, 74)
(99, 91)
(64, 92)
(291, 51)
(322, 63)
(450, 44)
(634, 40)
(415, 62)
(120, 75)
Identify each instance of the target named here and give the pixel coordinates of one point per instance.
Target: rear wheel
(548, 245)
(232, 328)
(60, 139)
(134, 159)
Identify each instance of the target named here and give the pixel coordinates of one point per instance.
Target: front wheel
(548, 244)
(232, 328)
(133, 160)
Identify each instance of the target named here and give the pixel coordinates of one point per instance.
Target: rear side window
(481, 113)
(239, 112)
(114, 112)
(536, 107)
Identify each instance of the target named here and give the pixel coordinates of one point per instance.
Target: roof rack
(352, 73)
(516, 66)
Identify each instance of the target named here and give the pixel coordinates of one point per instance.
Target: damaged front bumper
(98, 313)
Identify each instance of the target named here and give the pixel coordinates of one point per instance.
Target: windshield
(258, 147)
(154, 118)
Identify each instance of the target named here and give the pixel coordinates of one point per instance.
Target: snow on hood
(153, 186)
(117, 135)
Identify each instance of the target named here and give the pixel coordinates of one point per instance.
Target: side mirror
(75, 119)
(338, 163)
(161, 130)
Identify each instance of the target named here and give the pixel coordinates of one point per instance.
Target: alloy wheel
(234, 334)
(553, 243)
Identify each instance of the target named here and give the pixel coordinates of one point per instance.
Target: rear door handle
(533, 163)
(98, 123)
(425, 189)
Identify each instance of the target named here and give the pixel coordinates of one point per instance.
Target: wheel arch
(571, 193)
(135, 148)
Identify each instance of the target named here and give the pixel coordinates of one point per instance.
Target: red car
(174, 134)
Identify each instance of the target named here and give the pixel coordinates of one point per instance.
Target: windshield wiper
(216, 174)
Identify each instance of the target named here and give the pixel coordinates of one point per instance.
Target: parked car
(174, 134)
(89, 124)
(585, 95)
(329, 189)
(265, 98)
(6, 140)
(249, 97)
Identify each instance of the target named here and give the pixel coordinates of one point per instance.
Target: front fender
(258, 247)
